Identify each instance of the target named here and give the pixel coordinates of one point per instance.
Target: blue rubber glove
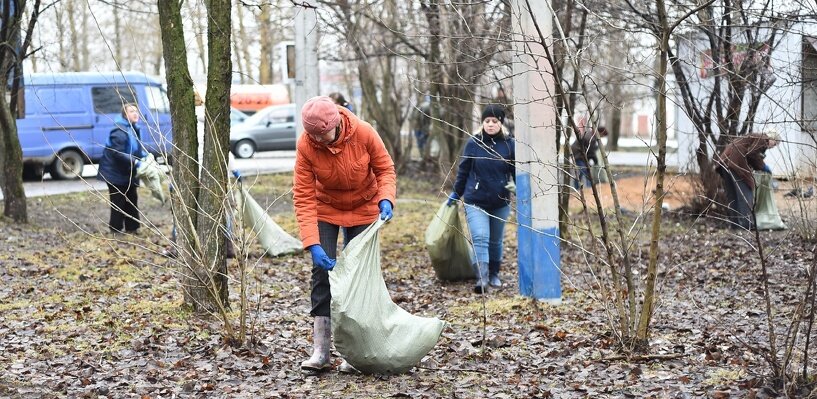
(767, 169)
(452, 198)
(320, 258)
(237, 175)
(385, 210)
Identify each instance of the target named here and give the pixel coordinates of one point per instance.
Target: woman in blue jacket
(117, 168)
(484, 177)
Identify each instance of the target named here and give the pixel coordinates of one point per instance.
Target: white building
(788, 108)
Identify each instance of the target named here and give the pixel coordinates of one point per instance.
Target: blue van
(68, 117)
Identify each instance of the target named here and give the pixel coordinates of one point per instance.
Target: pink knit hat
(320, 115)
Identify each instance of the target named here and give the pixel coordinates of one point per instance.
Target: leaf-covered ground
(86, 314)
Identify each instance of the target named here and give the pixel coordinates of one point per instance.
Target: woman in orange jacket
(344, 178)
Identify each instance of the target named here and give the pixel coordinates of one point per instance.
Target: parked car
(272, 128)
(69, 117)
(237, 117)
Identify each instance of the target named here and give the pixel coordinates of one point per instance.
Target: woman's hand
(452, 198)
(320, 259)
(385, 210)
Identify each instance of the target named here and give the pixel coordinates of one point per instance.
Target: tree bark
(244, 42)
(213, 196)
(185, 152)
(642, 332)
(11, 64)
(11, 160)
(265, 40)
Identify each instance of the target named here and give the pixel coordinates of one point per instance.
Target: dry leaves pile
(88, 315)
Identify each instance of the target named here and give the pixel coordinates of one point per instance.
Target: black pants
(124, 208)
(328, 234)
(741, 200)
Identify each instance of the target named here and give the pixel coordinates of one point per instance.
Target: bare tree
(15, 34)
(200, 188)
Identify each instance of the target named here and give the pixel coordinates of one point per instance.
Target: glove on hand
(452, 198)
(385, 210)
(320, 259)
(767, 169)
(237, 175)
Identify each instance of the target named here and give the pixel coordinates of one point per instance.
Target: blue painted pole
(537, 173)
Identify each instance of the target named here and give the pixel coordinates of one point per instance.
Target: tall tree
(16, 44)
(200, 187)
(265, 39)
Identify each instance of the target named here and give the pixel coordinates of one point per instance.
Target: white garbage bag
(370, 331)
(271, 236)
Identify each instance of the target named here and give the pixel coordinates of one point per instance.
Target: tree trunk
(243, 44)
(265, 39)
(642, 332)
(614, 119)
(185, 151)
(61, 40)
(11, 65)
(11, 162)
(117, 34)
(70, 7)
(213, 196)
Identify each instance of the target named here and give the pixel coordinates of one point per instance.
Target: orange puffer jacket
(341, 183)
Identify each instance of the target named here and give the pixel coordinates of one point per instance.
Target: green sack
(451, 256)
(767, 217)
(372, 333)
(271, 236)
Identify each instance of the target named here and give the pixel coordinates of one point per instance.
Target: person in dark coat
(483, 180)
(117, 168)
(739, 159)
(421, 125)
(584, 150)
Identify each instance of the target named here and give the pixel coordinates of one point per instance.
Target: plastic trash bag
(451, 255)
(370, 331)
(271, 236)
(767, 216)
(599, 174)
(151, 174)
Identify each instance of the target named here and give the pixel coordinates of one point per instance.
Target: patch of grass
(724, 376)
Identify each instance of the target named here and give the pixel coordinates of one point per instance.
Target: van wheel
(244, 149)
(67, 166)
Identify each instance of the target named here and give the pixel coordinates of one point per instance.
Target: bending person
(739, 159)
(344, 180)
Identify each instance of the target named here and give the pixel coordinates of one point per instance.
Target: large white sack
(271, 236)
(370, 331)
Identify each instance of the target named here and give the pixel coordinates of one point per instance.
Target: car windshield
(276, 114)
(258, 118)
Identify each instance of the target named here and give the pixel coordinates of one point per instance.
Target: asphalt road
(261, 163)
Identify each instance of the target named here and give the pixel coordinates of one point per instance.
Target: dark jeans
(124, 208)
(328, 234)
(582, 174)
(740, 200)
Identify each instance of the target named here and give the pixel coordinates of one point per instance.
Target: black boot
(481, 271)
(493, 274)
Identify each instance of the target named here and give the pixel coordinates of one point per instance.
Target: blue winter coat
(486, 167)
(122, 150)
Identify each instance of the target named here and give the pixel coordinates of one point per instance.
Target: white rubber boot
(321, 338)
